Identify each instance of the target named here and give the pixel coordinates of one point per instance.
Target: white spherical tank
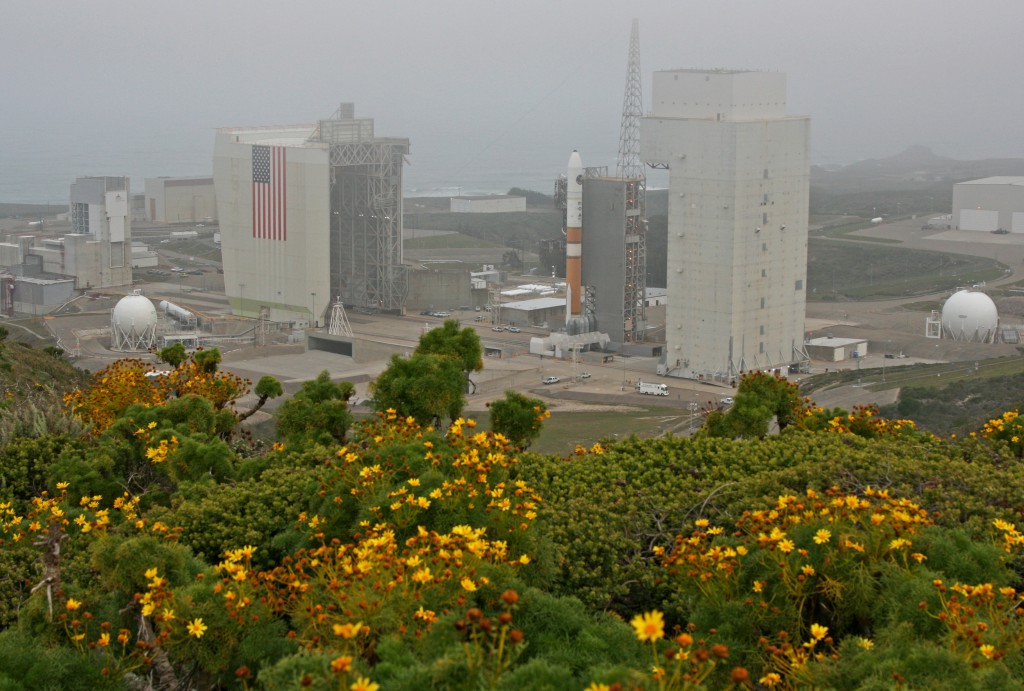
(970, 316)
(133, 323)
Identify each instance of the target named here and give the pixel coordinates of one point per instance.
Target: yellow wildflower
(649, 626)
(196, 628)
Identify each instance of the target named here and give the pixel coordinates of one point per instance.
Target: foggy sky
(131, 87)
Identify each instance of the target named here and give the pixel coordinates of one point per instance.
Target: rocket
(574, 234)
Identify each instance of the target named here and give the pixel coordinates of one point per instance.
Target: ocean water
(41, 172)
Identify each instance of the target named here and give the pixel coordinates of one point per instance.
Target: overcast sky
(136, 87)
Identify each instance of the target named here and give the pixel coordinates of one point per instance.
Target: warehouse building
(990, 204)
(181, 200)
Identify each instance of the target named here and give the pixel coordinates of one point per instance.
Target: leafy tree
(760, 400)
(518, 417)
(173, 355)
(207, 360)
(317, 413)
(266, 388)
(461, 344)
(426, 387)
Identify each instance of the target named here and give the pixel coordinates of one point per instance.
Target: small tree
(317, 413)
(267, 387)
(518, 417)
(760, 399)
(427, 387)
(461, 344)
(173, 355)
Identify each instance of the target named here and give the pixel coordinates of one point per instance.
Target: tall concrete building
(308, 214)
(739, 174)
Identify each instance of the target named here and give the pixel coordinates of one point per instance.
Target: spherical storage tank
(970, 316)
(133, 323)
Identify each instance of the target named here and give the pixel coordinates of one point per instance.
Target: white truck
(652, 389)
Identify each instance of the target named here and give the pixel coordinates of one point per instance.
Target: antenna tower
(339, 320)
(632, 110)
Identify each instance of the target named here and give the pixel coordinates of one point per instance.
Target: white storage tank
(133, 323)
(970, 315)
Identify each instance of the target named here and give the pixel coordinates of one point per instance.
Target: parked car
(585, 375)
(551, 380)
(497, 328)
(514, 329)
(725, 402)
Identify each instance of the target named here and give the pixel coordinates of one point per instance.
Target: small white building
(488, 204)
(989, 204)
(831, 349)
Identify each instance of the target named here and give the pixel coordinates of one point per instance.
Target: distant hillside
(912, 181)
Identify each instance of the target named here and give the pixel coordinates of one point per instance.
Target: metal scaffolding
(366, 212)
(634, 295)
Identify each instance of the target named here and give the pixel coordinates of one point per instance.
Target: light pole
(312, 307)
(241, 299)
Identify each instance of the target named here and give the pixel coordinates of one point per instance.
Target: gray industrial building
(739, 173)
(42, 272)
(989, 204)
(308, 214)
(614, 256)
(181, 200)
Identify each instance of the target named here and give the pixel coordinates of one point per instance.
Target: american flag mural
(269, 221)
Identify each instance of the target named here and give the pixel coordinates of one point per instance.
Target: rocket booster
(574, 233)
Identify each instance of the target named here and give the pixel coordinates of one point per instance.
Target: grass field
(564, 430)
(447, 241)
(856, 271)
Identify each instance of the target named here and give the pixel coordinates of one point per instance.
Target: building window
(799, 284)
(765, 173)
(764, 273)
(760, 348)
(762, 329)
(764, 246)
(764, 219)
(762, 303)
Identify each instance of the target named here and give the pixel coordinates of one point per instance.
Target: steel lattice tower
(632, 110)
(631, 169)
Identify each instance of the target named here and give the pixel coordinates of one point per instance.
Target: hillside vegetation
(148, 542)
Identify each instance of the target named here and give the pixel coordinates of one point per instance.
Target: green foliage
(760, 400)
(25, 464)
(54, 351)
(173, 355)
(519, 418)
(35, 414)
(461, 344)
(260, 511)
(25, 665)
(207, 360)
(427, 387)
(381, 551)
(317, 413)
